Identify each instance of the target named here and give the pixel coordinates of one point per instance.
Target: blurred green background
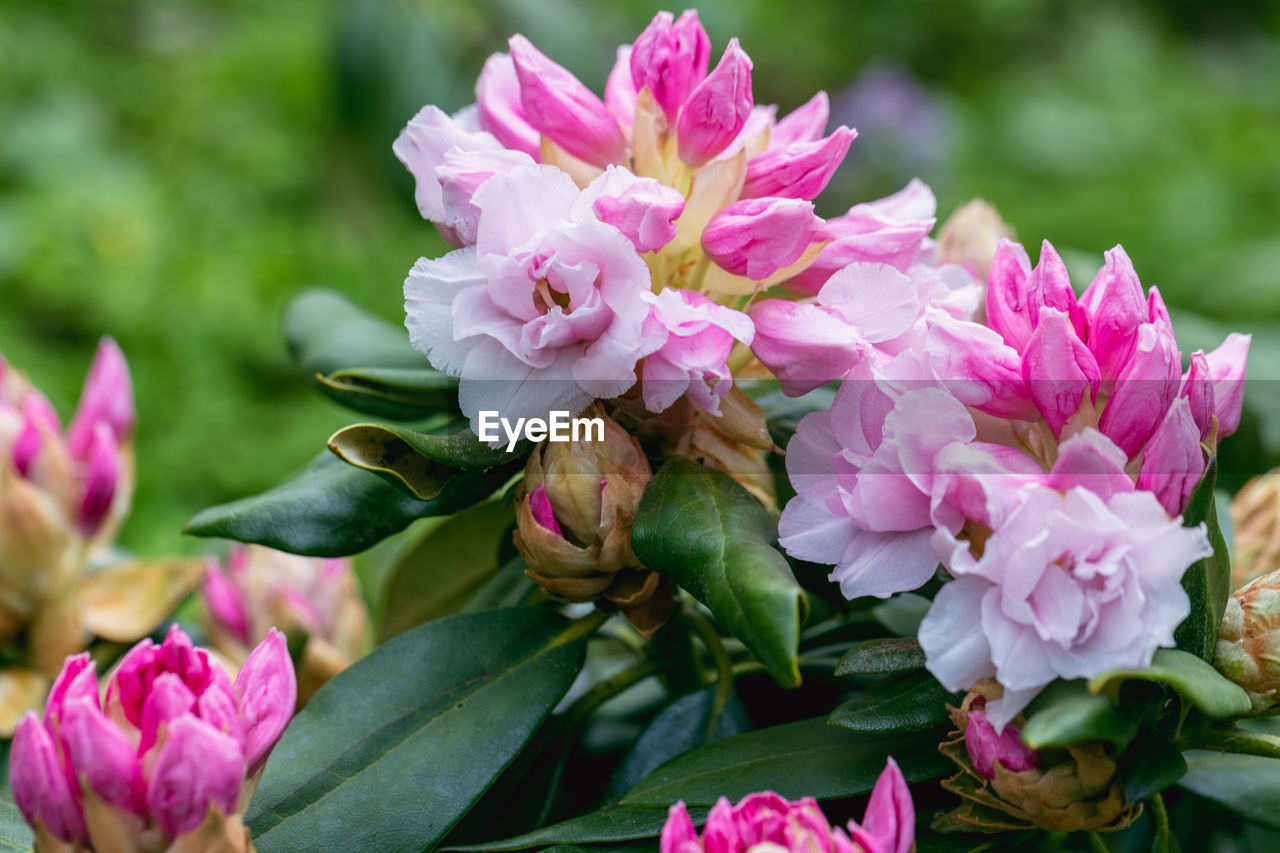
(171, 171)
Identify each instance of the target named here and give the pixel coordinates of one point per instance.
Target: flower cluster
(175, 748)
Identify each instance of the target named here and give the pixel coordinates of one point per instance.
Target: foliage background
(172, 171)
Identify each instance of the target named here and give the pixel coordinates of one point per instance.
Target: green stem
(1096, 844)
(724, 667)
(699, 271)
(1161, 817)
(602, 691)
(1237, 740)
(583, 627)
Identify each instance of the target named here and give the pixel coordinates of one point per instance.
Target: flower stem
(1163, 840)
(604, 690)
(1238, 740)
(724, 667)
(1096, 844)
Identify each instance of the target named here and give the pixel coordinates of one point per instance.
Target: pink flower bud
(671, 58)
(758, 237)
(41, 789)
(268, 693)
(561, 107)
(543, 513)
(1091, 460)
(169, 698)
(1049, 285)
(804, 124)
(1147, 384)
(979, 368)
(1116, 308)
(1007, 308)
(107, 397)
(129, 684)
(799, 170)
(717, 109)
(1157, 311)
(101, 477)
(1059, 370)
(1172, 461)
(643, 209)
(38, 420)
(225, 602)
(197, 767)
(986, 747)
(75, 681)
(1227, 366)
(620, 90)
(500, 109)
(1197, 388)
(678, 831)
(104, 758)
(889, 825)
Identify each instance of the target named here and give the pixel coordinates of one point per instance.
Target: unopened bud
(1255, 515)
(970, 237)
(1248, 650)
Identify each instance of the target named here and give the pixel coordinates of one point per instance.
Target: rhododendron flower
(700, 335)
(175, 747)
(768, 821)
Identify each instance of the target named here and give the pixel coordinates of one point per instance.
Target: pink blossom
(700, 335)
(641, 208)
(544, 313)
(670, 59)
(987, 747)
(798, 170)
(172, 739)
(1227, 369)
(620, 90)
(499, 108)
(803, 124)
(717, 109)
(758, 237)
(1172, 461)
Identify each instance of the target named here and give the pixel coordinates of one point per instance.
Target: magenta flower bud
(758, 237)
(1147, 384)
(1050, 285)
(41, 788)
(1116, 308)
(561, 107)
(717, 109)
(131, 681)
(38, 420)
(678, 831)
(224, 601)
(800, 170)
(643, 209)
(620, 90)
(197, 767)
(803, 124)
(889, 825)
(75, 681)
(1007, 310)
(103, 757)
(543, 513)
(107, 397)
(1059, 370)
(986, 747)
(1197, 389)
(671, 58)
(101, 477)
(1172, 461)
(500, 109)
(978, 368)
(268, 691)
(1157, 311)
(1227, 366)
(169, 698)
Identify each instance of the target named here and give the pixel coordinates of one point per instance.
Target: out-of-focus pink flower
(700, 335)
(798, 170)
(500, 110)
(1172, 461)
(716, 109)
(544, 313)
(107, 399)
(641, 208)
(986, 747)
(620, 90)
(769, 821)
(803, 124)
(564, 110)
(1226, 369)
(173, 740)
(670, 57)
(758, 237)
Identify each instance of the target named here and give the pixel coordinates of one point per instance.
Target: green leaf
(1197, 682)
(808, 758)
(1248, 785)
(614, 823)
(706, 533)
(444, 569)
(882, 656)
(1150, 764)
(332, 509)
(911, 704)
(902, 614)
(1066, 712)
(1207, 581)
(394, 750)
(399, 393)
(326, 332)
(14, 832)
(421, 463)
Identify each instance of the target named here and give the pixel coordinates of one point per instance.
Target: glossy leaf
(1208, 581)
(882, 656)
(444, 568)
(706, 533)
(333, 509)
(1197, 682)
(423, 464)
(399, 393)
(1066, 712)
(1150, 764)
(326, 332)
(911, 704)
(808, 758)
(614, 823)
(14, 832)
(385, 756)
(1248, 785)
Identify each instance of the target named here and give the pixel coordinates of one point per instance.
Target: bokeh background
(172, 171)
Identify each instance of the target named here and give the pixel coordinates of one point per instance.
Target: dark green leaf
(14, 832)
(1208, 581)
(394, 750)
(911, 704)
(326, 332)
(1150, 764)
(705, 532)
(808, 758)
(882, 656)
(1066, 712)
(444, 569)
(678, 728)
(1197, 682)
(422, 463)
(332, 509)
(615, 823)
(1248, 785)
(399, 393)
